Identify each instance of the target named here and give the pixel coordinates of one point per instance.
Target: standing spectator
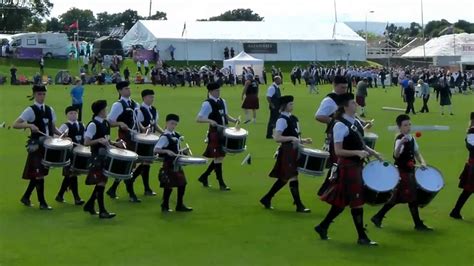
(41, 65)
(383, 76)
(156, 53)
(126, 74)
(444, 95)
(171, 49)
(13, 80)
(264, 75)
(147, 67)
(232, 52)
(139, 67)
(77, 95)
(361, 94)
(85, 61)
(273, 98)
(88, 50)
(409, 93)
(425, 94)
(226, 52)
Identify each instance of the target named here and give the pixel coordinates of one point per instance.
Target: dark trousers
(410, 107)
(425, 104)
(274, 114)
(78, 107)
(382, 81)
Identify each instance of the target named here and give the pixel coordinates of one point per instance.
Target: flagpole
(423, 31)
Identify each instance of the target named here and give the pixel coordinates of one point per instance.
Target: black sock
(40, 191)
(209, 170)
(181, 191)
(93, 197)
(166, 197)
(74, 187)
(114, 186)
(100, 198)
(384, 210)
(332, 214)
(415, 214)
(29, 189)
(358, 217)
(295, 193)
(461, 200)
(64, 186)
(218, 169)
(146, 177)
(275, 188)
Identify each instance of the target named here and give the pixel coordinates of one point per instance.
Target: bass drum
(380, 180)
(430, 182)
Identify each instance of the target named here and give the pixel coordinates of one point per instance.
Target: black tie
(129, 103)
(42, 108)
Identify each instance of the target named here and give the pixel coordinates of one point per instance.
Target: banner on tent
(29, 53)
(261, 48)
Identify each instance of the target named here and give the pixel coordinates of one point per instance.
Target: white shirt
(281, 123)
(340, 131)
(163, 141)
(117, 110)
(141, 118)
(327, 108)
(271, 90)
(470, 139)
(28, 115)
(91, 128)
(145, 63)
(206, 108)
(64, 126)
(398, 142)
(139, 64)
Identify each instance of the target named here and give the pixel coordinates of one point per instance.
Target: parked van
(52, 44)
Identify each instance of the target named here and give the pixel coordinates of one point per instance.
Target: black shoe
(106, 215)
(204, 181)
(451, 114)
(90, 209)
(45, 207)
(165, 208)
(267, 137)
(79, 202)
(134, 199)
(302, 209)
(377, 221)
(366, 242)
(423, 227)
(455, 215)
(267, 203)
(111, 194)
(224, 188)
(183, 208)
(60, 199)
(26, 202)
(323, 232)
(150, 193)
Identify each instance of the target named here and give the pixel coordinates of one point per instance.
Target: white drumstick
(189, 149)
(369, 123)
(64, 133)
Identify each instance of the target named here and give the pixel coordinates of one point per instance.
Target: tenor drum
(429, 182)
(56, 152)
(80, 159)
(183, 161)
(119, 163)
(380, 180)
(235, 139)
(312, 161)
(370, 139)
(143, 145)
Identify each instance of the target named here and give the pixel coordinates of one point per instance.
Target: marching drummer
(287, 133)
(346, 185)
(214, 112)
(40, 119)
(75, 131)
(406, 153)
(123, 116)
(97, 137)
(171, 174)
(466, 180)
(147, 118)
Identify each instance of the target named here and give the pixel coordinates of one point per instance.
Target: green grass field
(231, 228)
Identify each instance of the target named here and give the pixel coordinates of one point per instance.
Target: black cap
(284, 100)
(340, 80)
(71, 108)
(147, 92)
(345, 98)
(98, 106)
(38, 88)
(172, 117)
(472, 115)
(122, 84)
(212, 86)
(402, 118)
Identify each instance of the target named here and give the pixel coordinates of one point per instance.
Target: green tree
(159, 16)
(17, 15)
(433, 28)
(104, 22)
(128, 18)
(36, 25)
(465, 26)
(54, 25)
(85, 17)
(237, 15)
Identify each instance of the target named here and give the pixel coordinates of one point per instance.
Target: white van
(53, 44)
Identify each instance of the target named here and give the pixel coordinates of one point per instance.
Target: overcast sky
(348, 10)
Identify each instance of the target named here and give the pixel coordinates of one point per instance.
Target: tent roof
(243, 56)
(248, 30)
(443, 46)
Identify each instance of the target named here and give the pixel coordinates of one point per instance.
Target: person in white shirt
(146, 65)
(40, 119)
(273, 99)
(139, 67)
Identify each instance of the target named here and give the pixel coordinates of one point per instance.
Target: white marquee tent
(206, 40)
(242, 60)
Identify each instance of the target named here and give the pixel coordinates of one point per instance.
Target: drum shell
(370, 139)
(80, 161)
(233, 142)
(312, 164)
(144, 146)
(374, 198)
(386, 178)
(425, 196)
(119, 167)
(56, 155)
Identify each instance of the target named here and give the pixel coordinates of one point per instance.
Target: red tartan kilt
(214, 147)
(348, 187)
(466, 179)
(406, 190)
(286, 164)
(33, 166)
(170, 178)
(360, 100)
(96, 174)
(251, 102)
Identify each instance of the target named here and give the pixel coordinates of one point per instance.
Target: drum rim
(133, 155)
(310, 172)
(47, 144)
(440, 174)
(116, 176)
(241, 136)
(193, 160)
(397, 176)
(371, 135)
(82, 150)
(320, 152)
(145, 141)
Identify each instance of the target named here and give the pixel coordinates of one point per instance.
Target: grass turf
(230, 228)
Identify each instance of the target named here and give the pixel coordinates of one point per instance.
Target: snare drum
(183, 161)
(429, 182)
(80, 159)
(312, 161)
(380, 180)
(235, 139)
(370, 139)
(56, 152)
(144, 144)
(119, 163)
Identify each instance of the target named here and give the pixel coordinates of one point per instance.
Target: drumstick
(237, 123)
(189, 149)
(369, 123)
(64, 133)
(42, 133)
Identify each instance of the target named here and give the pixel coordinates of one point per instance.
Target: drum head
(380, 176)
(235, 132)
(146, 138)
(370, 135)
(315, 153)
(191, 160)
(122, 154)
(429, 179)
(83, 150)
(57, 143)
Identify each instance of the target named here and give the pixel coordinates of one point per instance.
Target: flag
(184, 29)
(74, 25)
